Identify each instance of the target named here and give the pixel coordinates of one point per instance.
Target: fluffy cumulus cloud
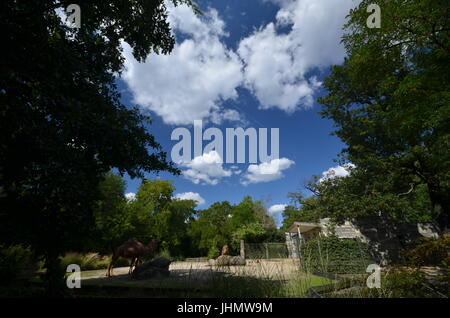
(277, 63)
(274, 65)
(190, 196)
(131, 196)
(276, 212)
(276, 209)
(266, 171)
(338, 171)
(195, 78)
(205, 169)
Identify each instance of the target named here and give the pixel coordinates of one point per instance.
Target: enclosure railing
(266, 250)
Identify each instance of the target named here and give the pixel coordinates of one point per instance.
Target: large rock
(227, 260)
(159, 267)
(160, 262)
(152, 272)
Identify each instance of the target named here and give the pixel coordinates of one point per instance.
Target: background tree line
(183, 230)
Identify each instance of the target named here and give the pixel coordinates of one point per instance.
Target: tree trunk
(54, 276)
(440, 206)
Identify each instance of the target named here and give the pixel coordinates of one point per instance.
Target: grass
(90, 261)
(261, 280)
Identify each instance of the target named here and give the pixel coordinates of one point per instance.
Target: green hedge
(335, 256)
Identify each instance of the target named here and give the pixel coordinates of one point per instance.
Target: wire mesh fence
(266, 250)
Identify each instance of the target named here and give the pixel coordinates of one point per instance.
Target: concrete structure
(384, 238)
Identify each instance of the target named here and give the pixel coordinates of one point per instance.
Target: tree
(212, 229)
(62, 125)
(172, 228)
(355, 196)
(155, 213)
(225, 224)
(111, 214)
(301, 210)
(390, 103)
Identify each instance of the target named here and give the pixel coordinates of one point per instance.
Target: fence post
(242, 248)
(267, 251)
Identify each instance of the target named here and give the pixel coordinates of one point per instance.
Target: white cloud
(274, 65)
(276, 212)
(338, 171)
(194, 79)
(131, 196)
(277, 208)
(266, 171)
(206, 169)
(277, 64)
(191, 196)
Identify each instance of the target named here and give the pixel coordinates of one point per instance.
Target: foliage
(345, 198)
(154, 213)
(90, 261)
(212, 229)
(400, 283)
(301, 210)
(62, 124)
(390, 103)
(14, 260)
(430, 252)
(225, 224)
(251, 233)
(333, 255)
(111, 211)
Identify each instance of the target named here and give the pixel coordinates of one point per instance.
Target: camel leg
(111, 266)
(131, 265)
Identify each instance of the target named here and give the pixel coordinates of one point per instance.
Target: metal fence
(266, 250)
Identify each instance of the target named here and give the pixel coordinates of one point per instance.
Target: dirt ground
(271, 269)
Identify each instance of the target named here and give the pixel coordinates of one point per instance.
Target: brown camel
(133, 250)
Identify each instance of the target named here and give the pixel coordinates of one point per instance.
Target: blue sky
(244, 64)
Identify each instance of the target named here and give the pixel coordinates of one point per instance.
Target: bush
(91, 261)
(430, 252)
(334, 255)
(213, 252)
(401, 283)
(14, 261)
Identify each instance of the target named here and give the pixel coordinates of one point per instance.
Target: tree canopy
(390, 102)
(62, 124)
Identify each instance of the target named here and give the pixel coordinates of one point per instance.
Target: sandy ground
(272, 269)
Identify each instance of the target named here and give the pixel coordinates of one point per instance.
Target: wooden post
(299, 251)
(242, 249)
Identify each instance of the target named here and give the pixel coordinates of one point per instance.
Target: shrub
(334, 255)
(430, 252)
(90, 261)
(213, 252)
(401, 283)
(14, 261)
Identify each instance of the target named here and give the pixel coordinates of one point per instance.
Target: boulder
(152, 272)
(159, 267)
(227, 260)
(160, 262)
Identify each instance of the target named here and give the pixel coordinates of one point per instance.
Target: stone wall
(385, 239)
